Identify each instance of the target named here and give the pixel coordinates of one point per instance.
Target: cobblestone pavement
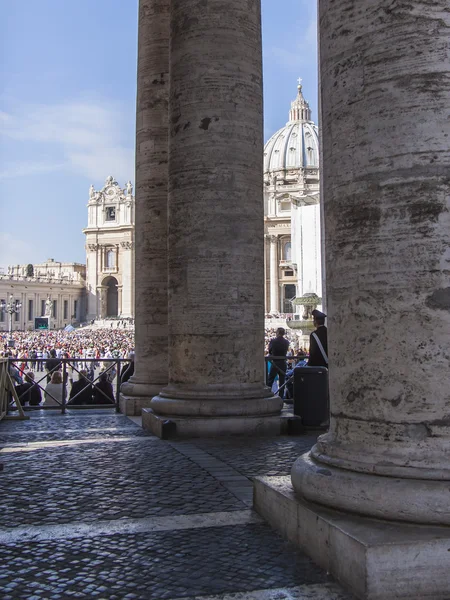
(90, 507)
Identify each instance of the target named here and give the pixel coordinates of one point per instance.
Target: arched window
(287, 251)
(111, 259)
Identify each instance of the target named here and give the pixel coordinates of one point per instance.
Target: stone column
(151, 208)
(216, 225)
(119, 300)
(386, 164)
(273, 264)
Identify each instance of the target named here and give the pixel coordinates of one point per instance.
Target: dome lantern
(300, 110)
(296, 145)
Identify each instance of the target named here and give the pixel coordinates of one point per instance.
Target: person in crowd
(127, 369)
(318, 341)
(103, 385)
(14, 372)
(33, 357)
(39, 359)
(29, 392)
(53, 395)
(278, 347)
(81, 391)
(51, 364)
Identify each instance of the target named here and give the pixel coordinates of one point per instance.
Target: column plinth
(216, 225)
(151, 208)
(387, 224)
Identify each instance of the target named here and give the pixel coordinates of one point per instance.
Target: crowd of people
(295, 346)
(37, 359)
(40, 378)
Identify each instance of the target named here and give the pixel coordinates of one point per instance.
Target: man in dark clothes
(318, 342)
(52, 363)
(278, 346)
(83, 388)
(104, 386)
(29, 391)
(127, 369)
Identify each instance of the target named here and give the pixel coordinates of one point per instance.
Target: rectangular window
(75, 309)
(54, 314)
(30, 310)
(110, 213)
(2, 312)
(16, 315)
(110, 260)
(66, 309)
(289, 273)
(42, 308)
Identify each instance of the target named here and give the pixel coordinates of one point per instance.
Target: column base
(132, 406)
(165, 426)
(136, 396)
(377, 496)
(374, 559)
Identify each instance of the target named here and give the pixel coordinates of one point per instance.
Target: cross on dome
(300, 110)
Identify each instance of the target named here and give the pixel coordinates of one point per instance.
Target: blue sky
(67, 109)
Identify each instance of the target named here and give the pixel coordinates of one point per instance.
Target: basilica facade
(110, 251)
(292, 211)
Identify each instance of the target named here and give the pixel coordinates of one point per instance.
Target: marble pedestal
(212, 426)
(132, 406)
(136, 396)
(374, 559)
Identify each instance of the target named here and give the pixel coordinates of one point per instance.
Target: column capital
(272, 238)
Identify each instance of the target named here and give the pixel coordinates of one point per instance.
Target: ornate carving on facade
(127, 245)
(93, 247)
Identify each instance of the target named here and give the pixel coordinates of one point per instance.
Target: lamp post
(11, 307)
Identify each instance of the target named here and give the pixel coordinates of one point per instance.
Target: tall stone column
(151, 208)
(273, 265)
(386, 163)
(216, 225)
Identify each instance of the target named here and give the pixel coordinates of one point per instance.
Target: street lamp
(11, 307)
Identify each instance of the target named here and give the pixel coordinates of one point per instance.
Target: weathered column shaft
(274, 286)
(151, 201)
(216, 219)
(386, 164)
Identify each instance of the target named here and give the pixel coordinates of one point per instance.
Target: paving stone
(258, 456)
(110, 481)
(215, 560)
(119, 473)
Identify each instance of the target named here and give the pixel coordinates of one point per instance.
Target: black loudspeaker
(311, 395)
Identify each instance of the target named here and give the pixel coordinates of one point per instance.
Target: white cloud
(301, 52)
(87, 135)
(14, 251)
(10, 170)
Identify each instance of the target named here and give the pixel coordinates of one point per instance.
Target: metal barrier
(290, 362)
(68, 366)
(8, 393)
(13, 367)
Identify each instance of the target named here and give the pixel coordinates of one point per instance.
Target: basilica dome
(295, 146)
